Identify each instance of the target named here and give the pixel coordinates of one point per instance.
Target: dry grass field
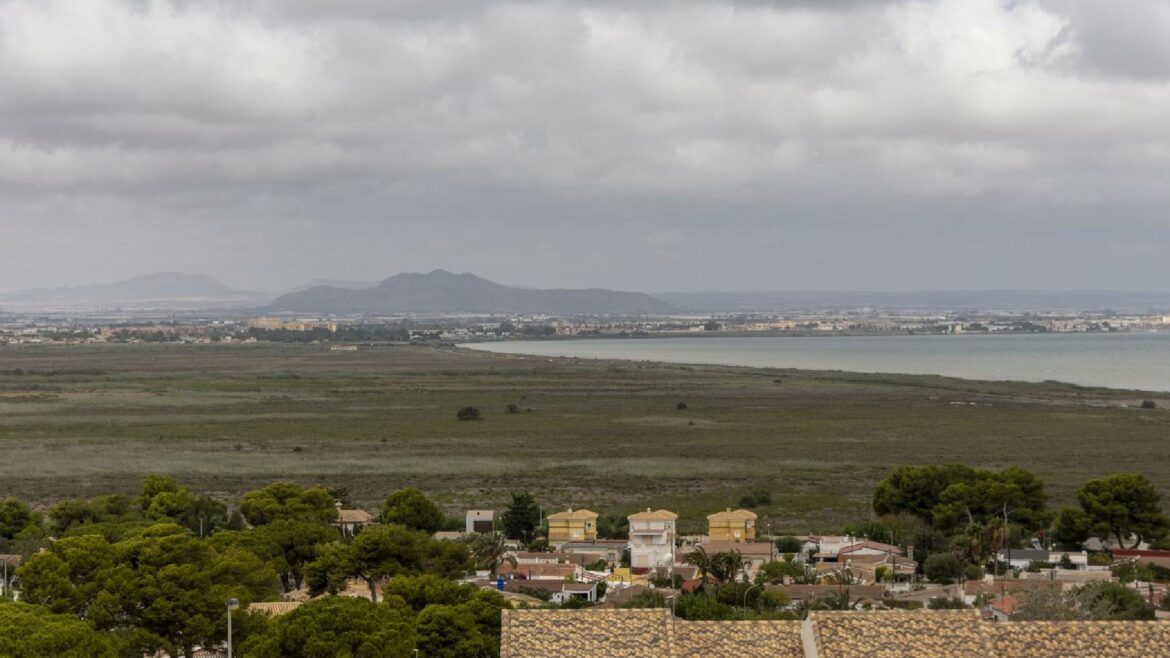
(79, 421)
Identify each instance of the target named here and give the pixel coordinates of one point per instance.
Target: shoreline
(482, 347)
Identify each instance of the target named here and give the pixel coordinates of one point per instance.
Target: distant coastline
(1138, 361)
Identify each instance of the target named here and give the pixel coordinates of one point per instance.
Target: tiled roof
(545, 571)
(658, 515)
(354, 516)
(732, 515)
(871, 545)
(1115, 639)
(920, 634)
(654, 633)
(274, 608)
(744, 548)
(586, 633)
(1120, 553)
(737, 639)
(570, 515)
(545, 556)
(1010, 585)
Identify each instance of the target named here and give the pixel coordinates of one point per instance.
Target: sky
(734, 145)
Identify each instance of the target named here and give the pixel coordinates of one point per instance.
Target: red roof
(873, 545)
(1133, 552)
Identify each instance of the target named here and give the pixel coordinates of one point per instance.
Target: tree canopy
(340, 626)
(411, 508)
(31, 631)
(953, 495)
(15, 516)
(165, 583)
(289, 501)
(382, 552)
(521, 518)
(1126, 507)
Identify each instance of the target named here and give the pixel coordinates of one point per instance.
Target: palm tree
(488, 551)
(841, 577)
(805, 606)
(700, 560)
(730, 565)
(838, 600)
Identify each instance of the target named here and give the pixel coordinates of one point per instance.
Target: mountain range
(172, 290)
(441, 291)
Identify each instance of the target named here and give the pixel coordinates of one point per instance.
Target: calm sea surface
(1123, 360)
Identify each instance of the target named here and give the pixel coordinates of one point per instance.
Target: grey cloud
(623, 144)
(1126, 38)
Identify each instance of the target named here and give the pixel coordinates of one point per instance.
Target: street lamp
(744, 598)
(232, 604)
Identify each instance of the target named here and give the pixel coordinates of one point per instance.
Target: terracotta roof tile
(354, 516)
(925, 634)
(737, 639)
(1115, 639)
(657, 515)
(586, 633)
(274, 608)
(654, 633)
(732, 515)
(571, 514)
(743, 548)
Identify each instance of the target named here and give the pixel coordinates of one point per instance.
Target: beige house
(652, 535)
(732, 525)
(567, 526)
(351, 521)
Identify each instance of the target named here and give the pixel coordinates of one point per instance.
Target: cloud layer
(700, 145)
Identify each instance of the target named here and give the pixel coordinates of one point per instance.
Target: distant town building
(568, 526)
(732, 525)
(480, 520)
(276, 324)
(652, 535)
(351, 521)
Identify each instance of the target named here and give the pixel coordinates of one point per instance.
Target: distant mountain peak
(442, 291)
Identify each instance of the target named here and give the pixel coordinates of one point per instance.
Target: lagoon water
(1136, 360)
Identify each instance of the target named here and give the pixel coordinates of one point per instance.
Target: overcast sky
(832, 144)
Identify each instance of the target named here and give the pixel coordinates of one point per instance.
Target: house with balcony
(736, 526)
(652, 539)
(570, 525)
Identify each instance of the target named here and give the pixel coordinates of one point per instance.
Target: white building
(480, 520)
(652, 536)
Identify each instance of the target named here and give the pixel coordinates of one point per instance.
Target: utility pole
(745, 595)
(232, 604)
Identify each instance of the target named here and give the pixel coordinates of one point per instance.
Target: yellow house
(580, 525)
(732, 525)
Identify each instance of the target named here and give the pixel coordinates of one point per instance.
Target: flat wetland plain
(88, 420)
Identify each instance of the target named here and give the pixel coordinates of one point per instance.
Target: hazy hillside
(443, 292)
(335, 283)
(1012, 300)
(163, 289)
